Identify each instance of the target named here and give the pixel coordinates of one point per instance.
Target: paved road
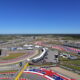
(32, 76)
(19, 59)
(51, 56)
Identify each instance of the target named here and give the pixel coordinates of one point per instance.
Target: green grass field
(12, 56)
(73, 64)
(8, 71)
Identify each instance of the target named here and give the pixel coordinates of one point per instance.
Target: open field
(12, 56)
(66, 73)
(8, 71)
(72, 64)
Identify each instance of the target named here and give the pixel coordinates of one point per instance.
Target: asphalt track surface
(31, 76)
(18, 59)
(36, 76)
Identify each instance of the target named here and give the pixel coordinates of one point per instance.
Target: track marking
(20, 73)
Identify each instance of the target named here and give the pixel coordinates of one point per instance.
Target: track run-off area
(45, 74)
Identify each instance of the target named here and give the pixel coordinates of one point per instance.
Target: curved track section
(43, 74)
(18, 59)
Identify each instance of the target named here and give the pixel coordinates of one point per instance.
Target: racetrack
(35, 76)
(19, 59)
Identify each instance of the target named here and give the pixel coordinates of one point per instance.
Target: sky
(39, 16)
